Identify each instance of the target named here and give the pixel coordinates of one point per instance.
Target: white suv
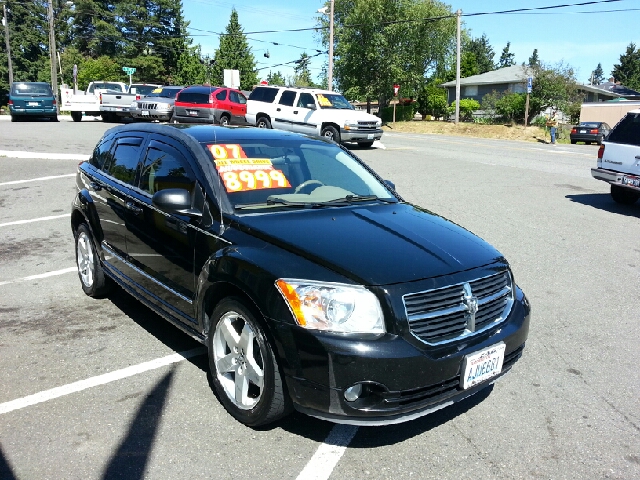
(314, 112)
(619, 160)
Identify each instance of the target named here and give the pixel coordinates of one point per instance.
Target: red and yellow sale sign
(241, 174)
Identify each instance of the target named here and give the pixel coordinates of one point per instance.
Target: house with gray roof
(512, 79)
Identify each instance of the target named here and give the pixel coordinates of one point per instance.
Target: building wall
(477, 92)
(610, 113)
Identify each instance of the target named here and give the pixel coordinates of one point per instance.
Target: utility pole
(5, 22)
(53, 56)
(330, 75)
(458, 13)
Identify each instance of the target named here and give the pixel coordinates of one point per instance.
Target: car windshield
(332, 100)
(169, 92)
(590, 124)
(294, 172)
(31, 89)
(144, 89)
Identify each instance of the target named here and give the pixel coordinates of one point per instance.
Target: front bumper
(162, 115)
(584, 137)
(626, 180)
(401, 379)
(353, 135)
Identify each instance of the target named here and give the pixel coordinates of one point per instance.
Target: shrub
(403, 113)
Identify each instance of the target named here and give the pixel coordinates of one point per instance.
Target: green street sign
(129, 70)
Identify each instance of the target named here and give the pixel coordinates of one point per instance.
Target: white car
(619, 160)
(313, 112)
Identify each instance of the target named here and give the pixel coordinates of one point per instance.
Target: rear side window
(31, 89)
(264, 94)
(221, 95)
(627, 131)
(124, 163)
(101, 153)
(287, 98)
(164, 167)
(193, 97)
(237, 97)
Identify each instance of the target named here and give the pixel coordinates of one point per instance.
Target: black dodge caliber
(312, 283)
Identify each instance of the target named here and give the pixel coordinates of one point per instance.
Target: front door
(303, 114)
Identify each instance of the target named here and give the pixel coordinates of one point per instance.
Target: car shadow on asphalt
(603, 201)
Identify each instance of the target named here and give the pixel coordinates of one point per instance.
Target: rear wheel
(243, 367)
(173, 119)
(15, 118)
(623, 195)
(92, 277)
(224, 120)
(263, 122)
(54, 118)
(331, 133)
(573, 142)
(76, 116)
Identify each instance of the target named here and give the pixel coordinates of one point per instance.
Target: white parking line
(41, 219)
(329, 453)
(41, 155)
(80, 385)
(39, 179)
(41, 275)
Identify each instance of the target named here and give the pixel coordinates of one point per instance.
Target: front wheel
(92, 277)
(331, 133)
(243, 367)
(623, 195)
(263, 122)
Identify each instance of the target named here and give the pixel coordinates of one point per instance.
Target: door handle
(95, 186)
(295, 111)
(278, 109)
(132, 207)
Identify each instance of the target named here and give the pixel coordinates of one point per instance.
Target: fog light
(351, 394)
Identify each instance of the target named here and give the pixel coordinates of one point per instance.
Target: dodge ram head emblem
(471, 305)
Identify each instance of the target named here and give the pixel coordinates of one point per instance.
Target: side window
(124, 162)
(221, 95)
(627, 131)
(233, 96)
(305, 99)
(101, 153)
(287, 98)
(165, 167)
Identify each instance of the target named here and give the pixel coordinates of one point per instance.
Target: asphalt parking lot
(107, 389)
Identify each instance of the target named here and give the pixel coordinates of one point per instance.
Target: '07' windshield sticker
(241, 174)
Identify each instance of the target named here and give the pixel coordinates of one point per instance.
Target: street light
(323, 10)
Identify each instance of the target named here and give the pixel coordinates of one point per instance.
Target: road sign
(129, 70)
(396, 88)
(529, 84)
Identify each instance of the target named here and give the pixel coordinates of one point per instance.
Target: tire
(16, 118)
(76, 116)
(573, 142)
(54, 118)
(173, 119)
(224, 120)
(92, 278)
(331, 133)
(238, 350)
(263, 122)
(365, 144)
(624, 196)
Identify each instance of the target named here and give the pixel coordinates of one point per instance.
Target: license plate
(628, 180)
(118, 109)
(193, 113)
(481, 366)
(33, 104)
(583, 131)
(370, 136)
(144, 113)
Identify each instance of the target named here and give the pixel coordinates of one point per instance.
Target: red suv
(206, 104)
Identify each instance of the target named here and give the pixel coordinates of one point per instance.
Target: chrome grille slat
(442, 315)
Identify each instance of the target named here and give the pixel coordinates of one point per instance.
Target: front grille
(148, 106)
(444, 314)
(367, 125)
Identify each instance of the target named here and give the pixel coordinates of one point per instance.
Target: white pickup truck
(116, 105)
(314, 112)
(619, 160)
(87, 102)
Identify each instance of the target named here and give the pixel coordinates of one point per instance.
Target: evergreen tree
(302, 77)
(483, 53)
(95, 31)
(276, 78)
(234, 54)
(534, 60)
(597, 76)
(507, 59)
(627, 71)
(190, 69)
(468, 65)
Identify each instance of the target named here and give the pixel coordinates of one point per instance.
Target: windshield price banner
(241, 174)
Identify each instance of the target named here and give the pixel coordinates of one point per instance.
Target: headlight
(332, 307)
(350, 124)
(379, 123)
(134, 104)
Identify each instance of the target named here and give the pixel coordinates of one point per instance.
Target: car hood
(356, 115)
(169, 101)
(375, 245)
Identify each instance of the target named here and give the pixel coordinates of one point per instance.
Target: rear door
(238, 104)
(622, 147)
(160, 245)
(283, 117)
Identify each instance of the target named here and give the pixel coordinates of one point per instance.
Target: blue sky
(581, 40)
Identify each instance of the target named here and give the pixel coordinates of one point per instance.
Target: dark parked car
(204, 104)
(311, 281)
(32, 99)
(589, 132)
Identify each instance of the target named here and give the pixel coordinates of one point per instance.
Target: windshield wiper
(349, 199)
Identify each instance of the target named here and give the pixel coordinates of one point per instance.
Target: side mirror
(175, 200)
(390, 184)
(311, 106)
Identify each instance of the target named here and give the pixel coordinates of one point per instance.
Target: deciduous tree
(483, 53)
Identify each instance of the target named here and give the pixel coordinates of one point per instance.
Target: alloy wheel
(86, 260)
